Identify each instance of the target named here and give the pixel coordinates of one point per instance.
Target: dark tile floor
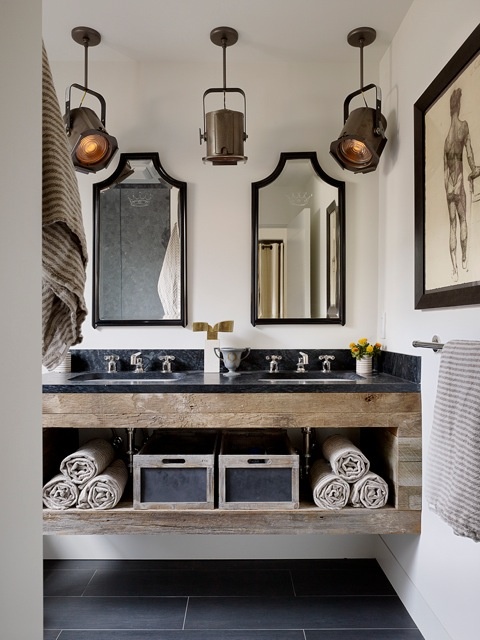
(222, 600)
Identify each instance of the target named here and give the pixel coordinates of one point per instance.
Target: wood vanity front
(388, 426)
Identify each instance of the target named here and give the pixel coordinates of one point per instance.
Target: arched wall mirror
(298, 248)
(139, 245)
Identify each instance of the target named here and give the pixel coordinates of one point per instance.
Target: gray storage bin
(258, 470)
(176, 470)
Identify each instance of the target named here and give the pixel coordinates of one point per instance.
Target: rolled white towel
(105, 490)
(346, 460)
(371, 492)
(60, 493)
(88, 461)
(329, 491)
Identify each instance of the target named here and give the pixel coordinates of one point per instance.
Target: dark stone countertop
(243, 382)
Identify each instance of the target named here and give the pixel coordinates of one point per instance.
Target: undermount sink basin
(126, 377)
(310, 377)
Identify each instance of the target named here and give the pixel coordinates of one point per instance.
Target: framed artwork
(447, 183)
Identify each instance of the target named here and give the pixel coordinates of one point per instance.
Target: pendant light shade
(224, 129)
(224, 132)
(92, 148)
(362, 139)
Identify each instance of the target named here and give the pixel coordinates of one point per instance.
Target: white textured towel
(64, 246)
(88, 461)
(105, 490)
(371, 492)
(60, 493)
(453, 469)
(329, 491)
(346, 460)
(169, 279)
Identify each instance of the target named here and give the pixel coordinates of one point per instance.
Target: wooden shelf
(307, 519)
(389, 426)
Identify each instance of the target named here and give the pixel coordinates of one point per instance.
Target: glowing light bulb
(356, 151)
(92, 149)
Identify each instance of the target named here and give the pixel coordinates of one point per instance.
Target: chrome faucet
(302, 362)
(273, 363)
(327, 361)
(167, 363)
(111, 363)
(137, 361)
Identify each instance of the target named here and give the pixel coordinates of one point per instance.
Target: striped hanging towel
(64, 247)
(453, 472)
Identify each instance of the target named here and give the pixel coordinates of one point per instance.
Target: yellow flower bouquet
(363, 349)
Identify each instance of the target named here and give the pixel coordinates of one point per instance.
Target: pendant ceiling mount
(86, 36)
(361, 37)
(224, 36)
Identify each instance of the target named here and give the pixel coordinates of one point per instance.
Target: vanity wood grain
(389, 425)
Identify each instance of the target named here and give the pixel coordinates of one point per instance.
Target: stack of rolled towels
(89, 478)
(344, 478)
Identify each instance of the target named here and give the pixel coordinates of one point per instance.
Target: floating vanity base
(307, 519)
(387, 427)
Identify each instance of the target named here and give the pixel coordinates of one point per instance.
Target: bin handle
(173, 460)
(258, 461)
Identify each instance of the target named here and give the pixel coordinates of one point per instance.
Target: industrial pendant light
(362, 138)
(224, 129)
(92, 148)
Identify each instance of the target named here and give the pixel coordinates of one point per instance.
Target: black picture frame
(442, 240)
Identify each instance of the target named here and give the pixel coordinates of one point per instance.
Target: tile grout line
(292, 582)
(185, 614)
(88, 583)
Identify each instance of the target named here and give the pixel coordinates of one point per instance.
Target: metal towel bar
(434, 344)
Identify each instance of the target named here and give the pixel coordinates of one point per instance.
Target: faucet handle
(167, 360)
(112, 362)
(326, 362)
(274, 360)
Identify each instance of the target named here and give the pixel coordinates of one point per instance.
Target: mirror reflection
(298, 252)
(139, 240)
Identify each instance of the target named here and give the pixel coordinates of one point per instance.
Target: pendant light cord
(86, 41)
(362, 41)
(224, 47)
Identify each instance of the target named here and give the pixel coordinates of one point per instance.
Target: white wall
(158, 107)
(20, 286)
(443, 568)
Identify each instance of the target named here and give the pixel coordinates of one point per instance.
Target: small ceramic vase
(364, 366)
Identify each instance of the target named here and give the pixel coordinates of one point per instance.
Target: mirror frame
(182, 220)
(338, 184)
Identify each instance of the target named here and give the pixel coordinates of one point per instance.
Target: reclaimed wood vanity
(384, 412)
